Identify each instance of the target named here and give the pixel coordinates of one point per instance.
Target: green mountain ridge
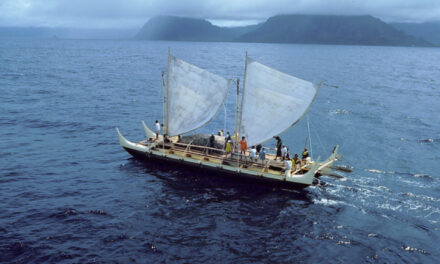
(308, 29)
(188, 29)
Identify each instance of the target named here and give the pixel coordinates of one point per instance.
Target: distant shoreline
(194, 41)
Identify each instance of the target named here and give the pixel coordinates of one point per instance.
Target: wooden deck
(219, 156)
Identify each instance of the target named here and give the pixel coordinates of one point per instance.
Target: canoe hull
(213, 171)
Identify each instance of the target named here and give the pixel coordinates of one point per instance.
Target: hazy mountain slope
(324, 29)
(188, 29)
(429, 31)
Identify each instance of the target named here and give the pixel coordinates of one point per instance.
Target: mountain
(188, 29)
(429, 31)
(326, 29)
(315, 29)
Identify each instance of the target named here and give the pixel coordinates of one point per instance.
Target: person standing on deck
(157, 128)
(227, 138)
(243, 146)
(279, 145)
(288, 164)
(262, 155)
(211, 142)
(284, 152)
(228, 147)
(252, 153)
(235, 141)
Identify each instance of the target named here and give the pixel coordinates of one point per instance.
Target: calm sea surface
(69, 193)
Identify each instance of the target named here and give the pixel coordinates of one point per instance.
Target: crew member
(243, 146)
(252, 153)
(288, 164)
(279, 145)
(305, 154)
(157, 128)
(296, 162)
(262, 155)
(228, 148)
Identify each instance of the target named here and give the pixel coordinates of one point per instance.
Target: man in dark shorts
(279, 146)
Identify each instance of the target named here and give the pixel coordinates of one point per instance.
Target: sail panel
(194, 96)
(272, 102)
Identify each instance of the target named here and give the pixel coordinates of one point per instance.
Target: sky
(134, 13)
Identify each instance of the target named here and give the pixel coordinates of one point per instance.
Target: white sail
(192, 95)
(272, 102)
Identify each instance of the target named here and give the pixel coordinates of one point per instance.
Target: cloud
(134, 13)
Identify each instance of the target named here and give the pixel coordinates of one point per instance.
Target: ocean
(70, 194)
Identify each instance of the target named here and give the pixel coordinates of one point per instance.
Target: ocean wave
(64, 213)
(414, 249)
(415, 175)
(339, 112)
(428, 140)
(12, 75)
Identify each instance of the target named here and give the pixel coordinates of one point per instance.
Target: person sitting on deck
(305, 154)
(243, 146)
(228, 148)
(296, 162)
(227, 138)
(262, 155)
(288, 164)
(157, 128)
(279, 144)
(252, 153)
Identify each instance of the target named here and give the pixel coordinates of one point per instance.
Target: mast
(237, 110)
(165, 96)
(310, 138)
(242, 95)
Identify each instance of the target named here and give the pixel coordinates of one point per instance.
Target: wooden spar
(236, 117)
(237, 132)
(310, 138)
(237, 109)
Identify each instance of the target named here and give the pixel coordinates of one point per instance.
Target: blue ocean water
(69, 193)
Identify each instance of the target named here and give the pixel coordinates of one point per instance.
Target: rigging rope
(224, 109)
(319, 139)
(310, 139)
